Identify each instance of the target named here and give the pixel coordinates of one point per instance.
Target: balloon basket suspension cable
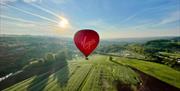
(86, 58)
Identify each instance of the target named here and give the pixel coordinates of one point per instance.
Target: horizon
(100, 37)
(111, 19)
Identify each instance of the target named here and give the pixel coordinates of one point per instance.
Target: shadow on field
(121, 86)
(150, 83)
(41, 80)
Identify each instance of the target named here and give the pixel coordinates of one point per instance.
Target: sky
(110, 18)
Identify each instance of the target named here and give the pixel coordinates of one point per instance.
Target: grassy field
(95, 74)
(159, 71)
(171, 55)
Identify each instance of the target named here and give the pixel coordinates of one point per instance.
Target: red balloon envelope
(86, 41)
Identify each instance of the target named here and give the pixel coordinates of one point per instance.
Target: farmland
(98, 74)
(156, 70)
(32, 63)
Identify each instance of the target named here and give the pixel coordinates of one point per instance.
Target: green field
(159, 71)
(95, 74)
(98, 74)
(171, 55)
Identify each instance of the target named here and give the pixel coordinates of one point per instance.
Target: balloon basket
(86, 58)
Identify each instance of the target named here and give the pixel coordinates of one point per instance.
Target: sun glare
(63, 23)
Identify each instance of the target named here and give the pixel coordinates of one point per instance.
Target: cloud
(25, 25)
(140, 12)
(60, 1)
(146, 29)
(171, 18)
(141, 33)
(7, 1)
(26, 1)
(99, 24)
(33, 14)
(31, 1)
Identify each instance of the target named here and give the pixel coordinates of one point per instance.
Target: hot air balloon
(86, 41)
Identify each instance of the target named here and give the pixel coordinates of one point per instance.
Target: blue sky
(110, 18)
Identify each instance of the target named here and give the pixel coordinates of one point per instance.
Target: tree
(110, 58)
(49, 57)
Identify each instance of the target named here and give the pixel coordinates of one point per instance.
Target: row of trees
(60, 57)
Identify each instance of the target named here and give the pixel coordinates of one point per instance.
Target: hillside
(37, 63)
(97, 74)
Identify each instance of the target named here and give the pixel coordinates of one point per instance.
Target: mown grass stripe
(85, 79)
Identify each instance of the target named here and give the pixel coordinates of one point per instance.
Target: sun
(63, 23)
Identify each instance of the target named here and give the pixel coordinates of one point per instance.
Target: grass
(95, 74)
(159, 71)
(172, 55)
